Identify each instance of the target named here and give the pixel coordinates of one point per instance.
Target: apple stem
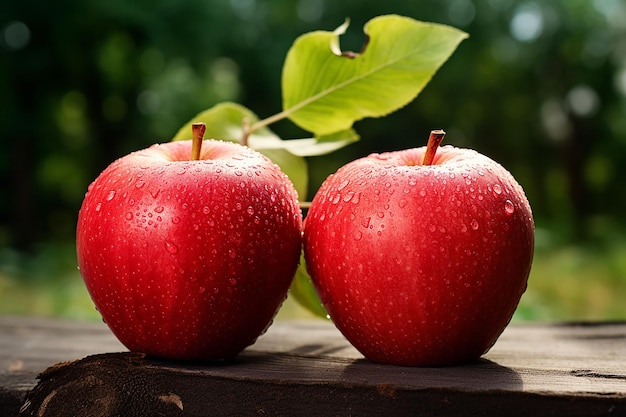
(197, 130)
(247, 130)
(434, 140)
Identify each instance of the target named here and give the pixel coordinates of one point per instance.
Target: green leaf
(225, 121)
(326, 90)
(348, 136)
(304, 292)
(310, 146)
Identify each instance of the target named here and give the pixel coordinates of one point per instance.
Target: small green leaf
(304, 292)
(310, 146)
(326, 90)
(225, 121)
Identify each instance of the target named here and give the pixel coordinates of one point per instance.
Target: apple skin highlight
(420, 265)
(189, 259)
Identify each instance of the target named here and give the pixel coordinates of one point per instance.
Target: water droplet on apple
(175, 220)
(129, 216)
(159, 209)
(432, 228)
(171, 247)
(474, 224)
(111, 195)
(336, 198)
(381, 214)
(509, 207)
(497, 189)
(423, 193)
(348, 197)
(343, 185)
(201, 290)
(181, 170)
(140, 183)
(232, 281)
(98, 206)
(232, 254)
(402, 203)
(250, 210)
(358, 235)
(366, 222)
(463, 228)
(155, 193)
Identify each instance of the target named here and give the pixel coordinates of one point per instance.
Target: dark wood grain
(308, 368)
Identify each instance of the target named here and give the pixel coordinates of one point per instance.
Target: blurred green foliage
(538, 86)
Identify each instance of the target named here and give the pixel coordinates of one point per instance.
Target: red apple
(420, 256)
(189, 259)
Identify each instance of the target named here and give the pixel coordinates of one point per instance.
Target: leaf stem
(287, 112)
(434, 140)
(272, 119)
(197, 130)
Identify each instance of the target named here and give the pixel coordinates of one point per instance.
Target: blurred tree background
(538, 86)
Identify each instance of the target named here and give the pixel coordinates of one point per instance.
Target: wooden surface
(308, 368)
